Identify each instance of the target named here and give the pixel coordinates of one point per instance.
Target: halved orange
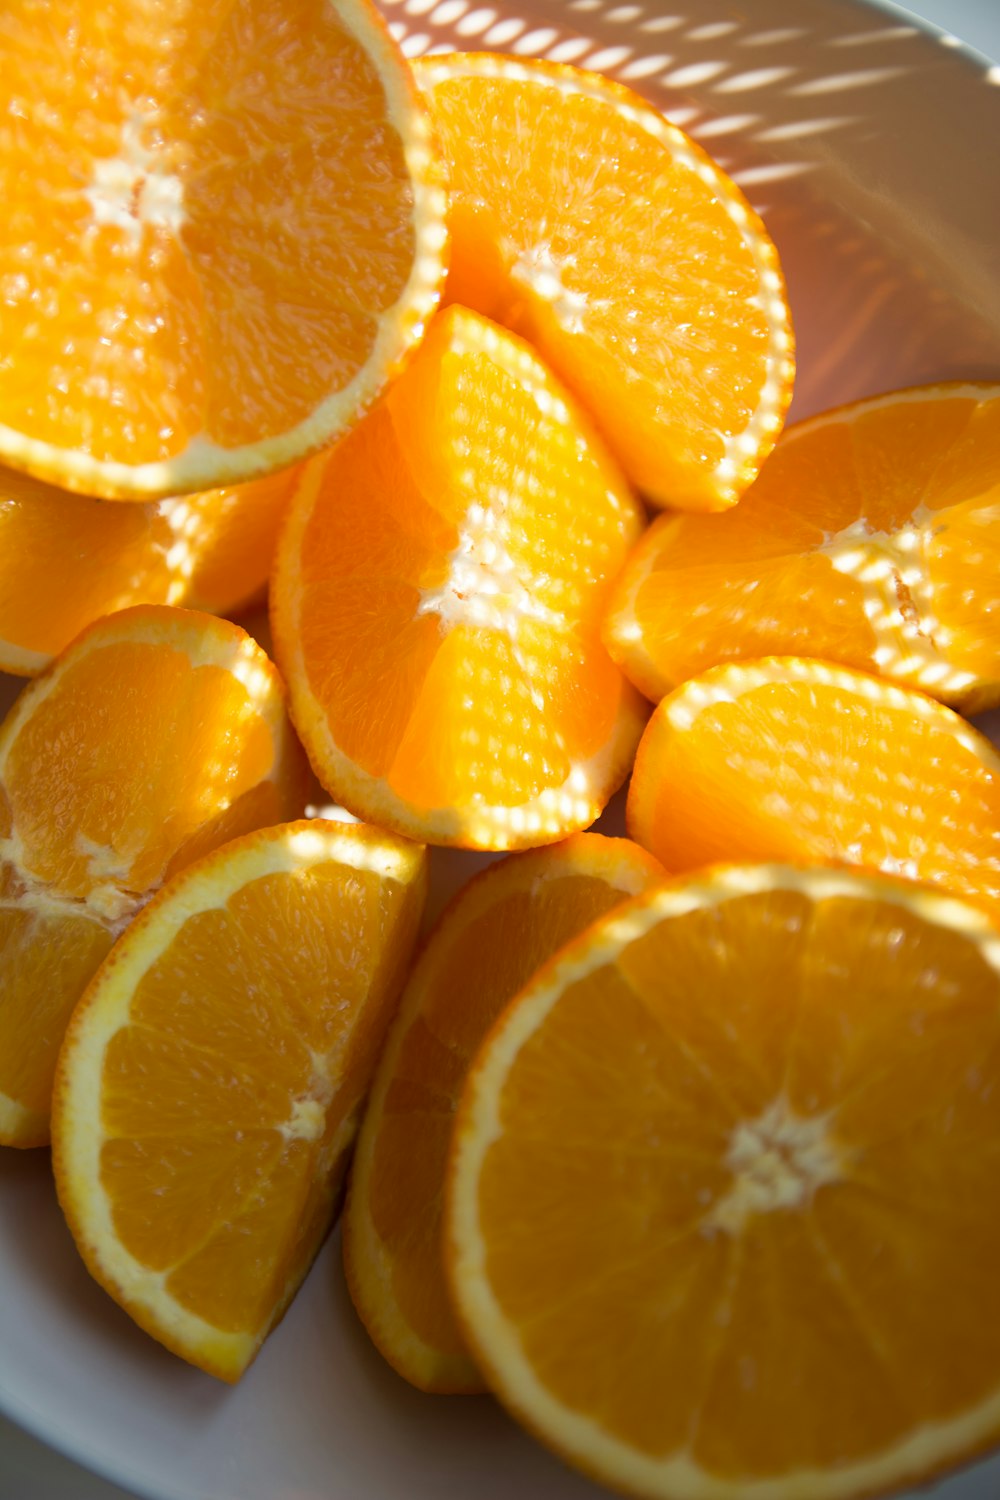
(65, 560)
(212, 1077)
(583, 219)
(437, 596)
(497, 931)
(721, 1211)
(159, 734)
(793, 759)
(223, 230)
(871, 538)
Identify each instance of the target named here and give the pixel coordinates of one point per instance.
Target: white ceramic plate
(871, 147)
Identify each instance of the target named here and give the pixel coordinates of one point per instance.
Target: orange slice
(65, 560)
(211, 1080)
(584, 220)
(871, 538)
(721, 1214)
(796, 760)
(223, 231)
(497, 931)
(158, 735)
(436, 603)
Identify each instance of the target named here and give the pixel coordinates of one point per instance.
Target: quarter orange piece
(796, 760)
(158, 735)
(211, 1080)
(870, 538)
(65, 560)
(497, 931)
(223, 231)
(583, 219)
(437, 596)
(721, 1213)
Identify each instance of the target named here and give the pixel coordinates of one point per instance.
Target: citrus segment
(585, 221)
(212, 1076)
(158, 735)
(497, 931)
(437, 597)
(719, 1214)
(225, 230)
(871, 538)
(794, 759)
(65, 560)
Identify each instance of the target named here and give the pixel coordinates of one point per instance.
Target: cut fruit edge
(203, 464)
(729, 681)
(552, 815)
(103, 1011)
(926, 1453)
(881, 605)
(206, 640)
(629, 868)
(745, 450)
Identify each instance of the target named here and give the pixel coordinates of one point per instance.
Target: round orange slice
(224, 230)
(65, 560)
(211, 1080)
(503, 926)
(796, 760)
(158, 735)
(720, 1215)
(871, 538)
(583, 219)
(437, 596)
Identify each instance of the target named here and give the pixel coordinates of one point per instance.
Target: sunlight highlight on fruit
(437, 597)
(797, 760)
(224, 231)
(585, 221)
(870, 538)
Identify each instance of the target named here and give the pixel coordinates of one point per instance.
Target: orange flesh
(808, 771)
(911, 487)
(65, 559)
(499, 931)
(172, 173)
(757, 1341)
(577, 227)
(134, 762)
(204, 1174)
(445, 590)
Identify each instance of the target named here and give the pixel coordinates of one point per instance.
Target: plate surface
(870, 147)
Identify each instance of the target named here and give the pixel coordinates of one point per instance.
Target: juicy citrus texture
(158, 735)
(584, 220)
(502, 927)
(871, 537)
(796, 760)
(223, 230)
(65, 560)
(436, 602)
(211, 1080)
(721, 1212)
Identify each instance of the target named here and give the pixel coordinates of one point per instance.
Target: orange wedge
(158, 735)
(65, 560)
(223, 232)
(797, 760)
(721, 1213)
(437, 596)
(497, 931)
(212, 1076)
(585, 221)
(871, 538)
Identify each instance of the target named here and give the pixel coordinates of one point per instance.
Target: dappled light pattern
(885, 289)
